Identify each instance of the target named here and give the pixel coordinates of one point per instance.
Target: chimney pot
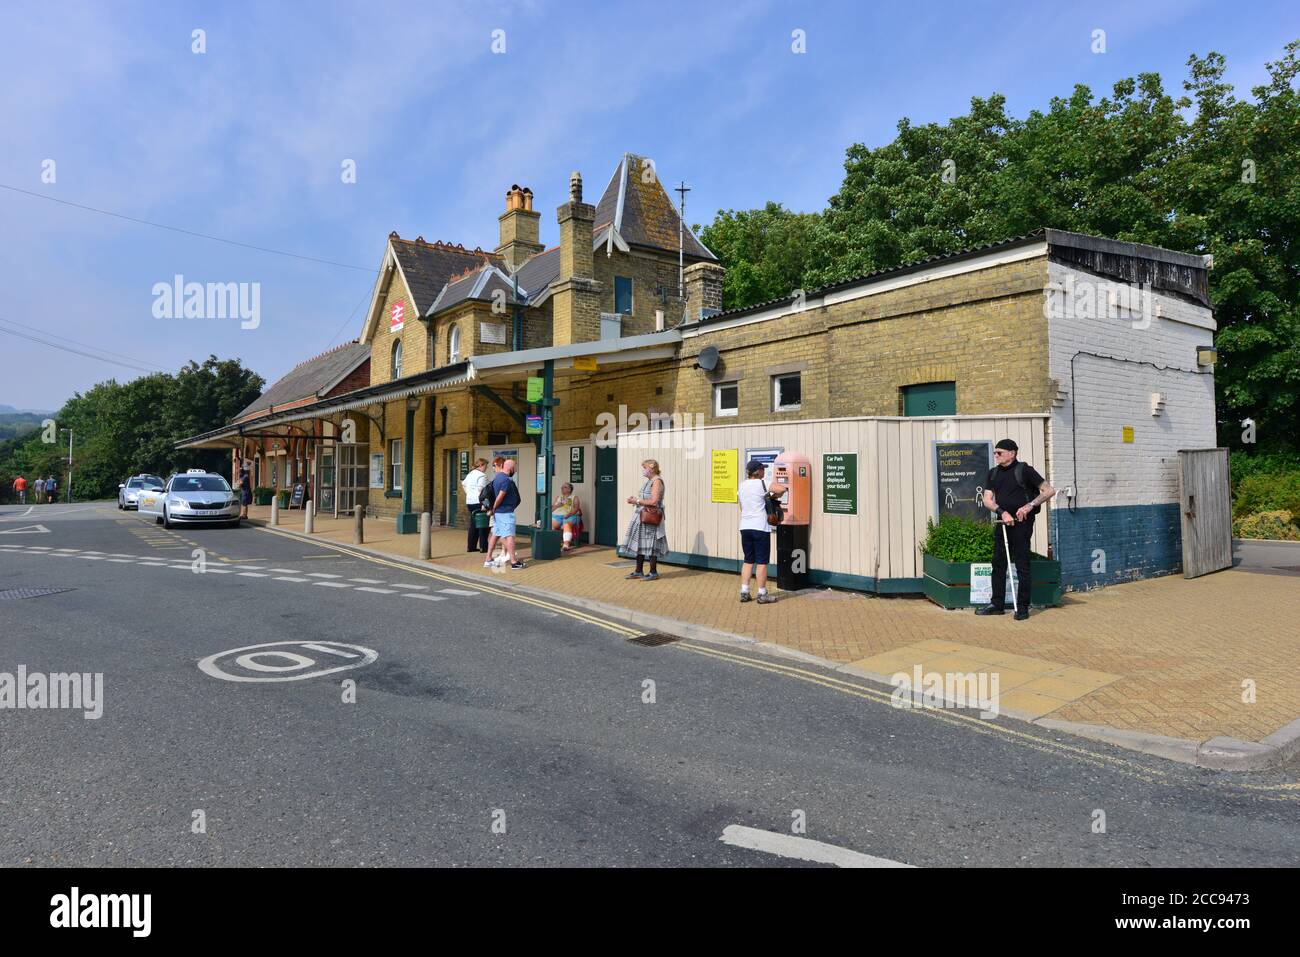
(575, 187)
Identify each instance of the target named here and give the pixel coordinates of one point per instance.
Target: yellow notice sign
(585, 363)
(726, 474)
(1128, 434)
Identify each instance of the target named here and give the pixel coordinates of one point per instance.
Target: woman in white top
(755, 532)
(473, 484)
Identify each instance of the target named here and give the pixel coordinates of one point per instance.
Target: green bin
(546, 543)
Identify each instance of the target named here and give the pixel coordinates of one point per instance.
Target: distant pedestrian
(755, 530)
(647, 534)
(38, 490)
(505, 499)
(20, 490)
(245, 491)
(476, 540)
(51, 488)
(1013, 492)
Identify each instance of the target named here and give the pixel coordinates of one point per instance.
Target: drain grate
(13, 594)
(654, 638)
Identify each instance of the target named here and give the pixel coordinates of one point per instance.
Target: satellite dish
(709, 359)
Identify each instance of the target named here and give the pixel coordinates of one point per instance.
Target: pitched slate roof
(481, 284)
(642, 213)
(310, 379)
(539, 271)
(429, 266)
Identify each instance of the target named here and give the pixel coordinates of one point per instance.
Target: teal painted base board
(408, 523)
(882, 586)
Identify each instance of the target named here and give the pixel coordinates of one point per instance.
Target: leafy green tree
(765, 252)
(1203, 173)
(121, 429)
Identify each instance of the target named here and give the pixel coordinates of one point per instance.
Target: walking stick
(1015, 602)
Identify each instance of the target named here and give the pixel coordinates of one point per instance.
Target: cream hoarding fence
(875, 549)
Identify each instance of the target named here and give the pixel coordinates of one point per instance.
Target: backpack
(775, 513)
(1020, 480)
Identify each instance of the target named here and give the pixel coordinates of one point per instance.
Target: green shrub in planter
(262, 495)
(283, 496)
(952, 544)
(1277, 526)
(957, 539)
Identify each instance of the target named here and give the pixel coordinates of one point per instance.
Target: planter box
(283, 496)
(948, 583)
(262, 496)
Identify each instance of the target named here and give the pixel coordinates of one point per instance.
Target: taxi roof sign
(196, 471)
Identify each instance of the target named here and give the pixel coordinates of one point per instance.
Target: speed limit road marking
(286, 661)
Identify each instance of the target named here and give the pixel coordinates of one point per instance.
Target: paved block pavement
(1180, 650)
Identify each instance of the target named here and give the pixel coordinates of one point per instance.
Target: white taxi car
(191, 497)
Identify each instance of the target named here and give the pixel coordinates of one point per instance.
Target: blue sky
(247, 140)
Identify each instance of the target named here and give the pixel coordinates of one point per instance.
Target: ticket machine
(793, 471)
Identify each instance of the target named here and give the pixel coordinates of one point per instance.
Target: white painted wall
(1108, 395)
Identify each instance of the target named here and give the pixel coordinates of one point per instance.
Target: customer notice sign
(960, 470)
(840, 483)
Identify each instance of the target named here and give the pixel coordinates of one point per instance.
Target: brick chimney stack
(703, 290)
(519, 227)
(576, 293)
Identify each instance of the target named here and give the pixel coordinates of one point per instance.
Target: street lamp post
(69, 431)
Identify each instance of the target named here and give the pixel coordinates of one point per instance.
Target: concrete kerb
(1218, 754)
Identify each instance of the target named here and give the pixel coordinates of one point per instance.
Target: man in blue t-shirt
(505, 499)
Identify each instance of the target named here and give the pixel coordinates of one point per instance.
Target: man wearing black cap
(1009, 494)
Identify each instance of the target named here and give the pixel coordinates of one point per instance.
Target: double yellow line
(862, 692)
(618, 629)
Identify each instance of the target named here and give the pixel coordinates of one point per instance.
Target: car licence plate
(208, 511)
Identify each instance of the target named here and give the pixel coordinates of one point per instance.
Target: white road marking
(323, 575)
(286, 578)
(150, 564)
(299, 668)
(252, 574)
(333, 584)
(377, 591)
(249, 568)
(800, 848)
(424, 597)
(219, 571)
(367, 581)
(67, 549)
(459, 591)
(41, 548)
(92, 558)
(419, 587)
(284, 571)
(27, 530)
(123, 561)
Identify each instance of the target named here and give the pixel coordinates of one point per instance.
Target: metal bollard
(275, 510)
(426, 536)
(358, 528)
(309, 515)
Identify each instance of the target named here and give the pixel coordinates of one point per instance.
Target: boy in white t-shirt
(755, 532)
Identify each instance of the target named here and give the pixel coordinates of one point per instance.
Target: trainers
(745, 596)
(1021, 615)
(988, 610)
(651, 576)
(489, 563)
(766, 599)
(634, 575)
(517, 565)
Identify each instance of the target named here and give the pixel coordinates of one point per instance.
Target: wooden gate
(1205, 500)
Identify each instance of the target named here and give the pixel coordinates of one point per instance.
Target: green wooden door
(930, 398)
(606, 496)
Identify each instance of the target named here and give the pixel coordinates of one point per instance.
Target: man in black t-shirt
(1015, 491)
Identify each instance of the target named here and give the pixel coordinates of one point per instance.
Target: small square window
(726, 398)
(787, 392)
